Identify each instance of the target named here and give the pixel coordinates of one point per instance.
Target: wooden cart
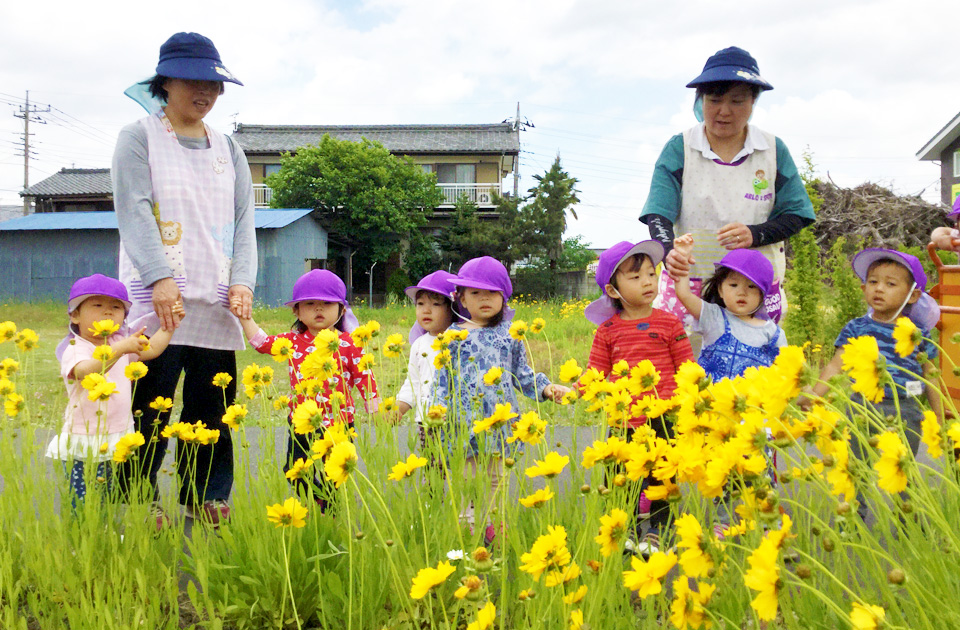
(947, 294)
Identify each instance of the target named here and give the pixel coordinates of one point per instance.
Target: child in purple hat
(433, 297)
(319, 303)
(92, 429)
(731, 315)
(482, 289)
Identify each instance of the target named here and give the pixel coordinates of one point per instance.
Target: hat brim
(863, 260)
(737, 74)
(196, 69)
(411, 292)
(317, 298)
(652, 249)
(469, 283)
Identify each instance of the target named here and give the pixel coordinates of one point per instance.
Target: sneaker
(211, 512)
(649, 545)
(156, 514)
(643, 508)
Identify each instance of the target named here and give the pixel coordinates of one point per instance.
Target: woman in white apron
(184, 204)
(726, 182)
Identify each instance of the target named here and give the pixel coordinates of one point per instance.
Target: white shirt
(415, 391)
(755, 141)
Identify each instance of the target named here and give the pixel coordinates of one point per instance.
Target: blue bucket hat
(731, 64)
(192, 56)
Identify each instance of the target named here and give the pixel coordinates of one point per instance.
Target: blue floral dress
(461, 389)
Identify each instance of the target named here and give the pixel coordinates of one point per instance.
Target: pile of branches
(875, 216)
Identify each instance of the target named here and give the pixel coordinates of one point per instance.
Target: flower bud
(843, 508)
(896, 576)
(603, 491)
(389, 542)
(873, 441)
(620, 480)
(804, 572)
(907, 507)
(828, 461)
(828, 544)
(814, 530)
(509, 462)
(585, 489)
(359, 535)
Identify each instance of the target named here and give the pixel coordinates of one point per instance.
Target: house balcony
(480, 194)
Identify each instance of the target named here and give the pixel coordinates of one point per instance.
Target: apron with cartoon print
(712, 196)
(193, 202)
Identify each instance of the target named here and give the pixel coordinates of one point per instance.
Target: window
(427, 168)
(457, 173)
(270, 169)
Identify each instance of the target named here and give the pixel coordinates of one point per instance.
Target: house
(51, 250)
(944, 147)
(73, 190)
(469, 160)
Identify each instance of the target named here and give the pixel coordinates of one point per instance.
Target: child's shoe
(157, 515)
(212, 513)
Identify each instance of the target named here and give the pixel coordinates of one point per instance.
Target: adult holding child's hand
(726, 182)
(184, 204)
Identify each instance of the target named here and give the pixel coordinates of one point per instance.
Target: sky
(861, 85)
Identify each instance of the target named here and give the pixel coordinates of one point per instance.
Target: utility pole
(26, 112)
(516, 162)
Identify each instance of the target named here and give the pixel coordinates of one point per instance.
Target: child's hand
(372, 405)
(555, 392)
(178, 311)
(943, 238)
(135, 343)
(684, 244)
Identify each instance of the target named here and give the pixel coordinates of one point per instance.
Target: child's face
(482, 304)
(740, 295)
(94, 309)
(886, 289)
(317, 315)
(433, 312)
(635, 288)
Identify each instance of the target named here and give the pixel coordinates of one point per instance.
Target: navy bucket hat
(731, 64)
(194, 57)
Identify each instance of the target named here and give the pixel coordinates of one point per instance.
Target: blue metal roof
(264, 218)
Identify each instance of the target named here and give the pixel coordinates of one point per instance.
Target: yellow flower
(763, 575)
(222, 379)
(687, 610)
(104, 328)
(570, 397)
(518, 330)
(307, 417)
(7, 331)
(235, 415)
(691, 374)
(502, 414)
(442, 359)
(564, 576)
(619, 369)
(549, 552)
(530, 429)
(126, 444)
(393, 346)
(493, 376)
(892, 478)
(183, 431)
(9, 367)
(613, 528)
(251, 375)
(576, 596)
(646, 576)
(436, 416)
(299, 469)
(551, 466)
(98, 387)
(146, 342)
(280, 402)
(429, 578)
(643, 377)
(695, 562)
(203, 435)
(26, 340)
(361, 335)
(320, 365)
(907, 336)
(537, 325)
(6, 386)
(13, 404)
(135, 371)
(576, 619)
(103, 353)
(402, 470)
(953, 432)
(570, 371)
(340, 462)
(485, 617)
(861, 358)
(537, 499)
(281, 350)
(366, 362)
(469, 585)
(374, 327)
(290, 513)
(457, 335)
(931, 434)
(161, 404)
(866, 617)
(389, 405)
(327, 341)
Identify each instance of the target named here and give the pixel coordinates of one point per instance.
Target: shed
(42, 254)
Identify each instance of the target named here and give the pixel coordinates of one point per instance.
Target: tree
(470, 236)
(545, 217)
(362, 192)
(576, 254)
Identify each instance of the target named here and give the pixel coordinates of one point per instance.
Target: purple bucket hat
(752, 264)
(955, 213)
(925, 312)
(438, 282)
(97, 284)
(603, 309)
(485, 273)
(324, 286)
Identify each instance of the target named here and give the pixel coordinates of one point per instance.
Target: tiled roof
(74, 181)
(400, 139)
(263, 219)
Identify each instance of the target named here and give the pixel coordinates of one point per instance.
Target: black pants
(659, 510)
(300, 446)
(205, 471)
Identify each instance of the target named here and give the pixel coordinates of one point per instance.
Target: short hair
(710, 291)
(634, 263)
(496, 319)
(719, 88)
(157, 90)
(445, 298)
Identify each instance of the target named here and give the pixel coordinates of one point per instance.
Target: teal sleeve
(791, 195)
(665, 187)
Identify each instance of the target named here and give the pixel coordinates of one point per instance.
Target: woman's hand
(943, 238)
(241, 301)
(678, 263)
(166, 294)
(735, 236)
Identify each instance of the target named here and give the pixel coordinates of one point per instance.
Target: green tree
(545, 217)
(469, 235)
(362, 192)
(576, 254)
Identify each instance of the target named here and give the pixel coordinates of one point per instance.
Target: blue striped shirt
(883, 333)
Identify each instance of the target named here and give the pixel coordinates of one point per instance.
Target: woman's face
(191, 100)
(726, 116)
